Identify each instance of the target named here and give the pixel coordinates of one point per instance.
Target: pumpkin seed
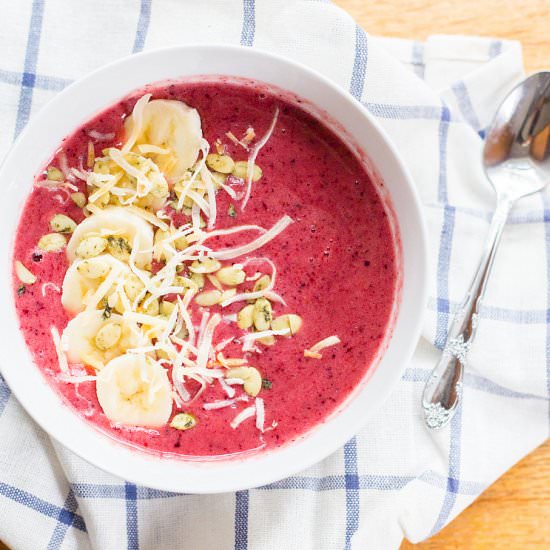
(166, 308)
(62, 224)
(245, 317)
(181, 243)
(198, 279)
(240, 171)
(209, 298)
(90, 247)
(262, 283)
(54, 174)
(187, 283)
(107, 336)
(93, 269)
(152, 308)
(23, 274)
(79, 199)
(227, 294)
(183, 421)
(232, 275)
(119, 247)
(133, 286)
(159, 189)
(262, 314)
(288, 321)
(220, 163)
(250, 376)
(267, 340)
(214, 280)
(52, 242)
(206, 265)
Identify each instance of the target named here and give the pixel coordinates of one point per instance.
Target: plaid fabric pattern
(394, 479)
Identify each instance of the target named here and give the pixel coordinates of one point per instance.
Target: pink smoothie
(337, 267)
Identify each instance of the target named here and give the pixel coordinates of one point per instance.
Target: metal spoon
(516, 159)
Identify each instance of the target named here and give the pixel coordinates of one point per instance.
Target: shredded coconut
(254, 154)
(260, 413)
(230, 253)
(314, 350)
(49, 285)
(61, 357)
(245, 414)
(223, 404)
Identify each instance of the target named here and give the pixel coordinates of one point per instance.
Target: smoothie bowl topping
(147, 292)
(178, 270)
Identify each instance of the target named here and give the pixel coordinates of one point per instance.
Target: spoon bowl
(516, 155)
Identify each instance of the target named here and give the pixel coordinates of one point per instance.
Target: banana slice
(171, 125)
(84, 277)
(114, 230)
(135, 391)
(92, 340)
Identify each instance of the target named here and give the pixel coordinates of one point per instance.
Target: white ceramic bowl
(97, 91)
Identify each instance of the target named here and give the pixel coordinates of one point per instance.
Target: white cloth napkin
(396, 478)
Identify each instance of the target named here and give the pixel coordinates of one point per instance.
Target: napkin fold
(395, 479)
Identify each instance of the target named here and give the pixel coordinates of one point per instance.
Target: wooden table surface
(515, 512)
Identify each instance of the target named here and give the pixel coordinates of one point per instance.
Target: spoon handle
(443, 389)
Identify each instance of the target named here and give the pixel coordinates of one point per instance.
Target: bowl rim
(206, 476)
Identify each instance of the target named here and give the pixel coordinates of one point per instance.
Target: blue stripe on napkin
(63, 522)
(63, 515)
(465, 104)
(241, 520)
(29, 70)
(142, 26)
(131, 516)
(359, 64)
(352, 490)
(249, 23)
